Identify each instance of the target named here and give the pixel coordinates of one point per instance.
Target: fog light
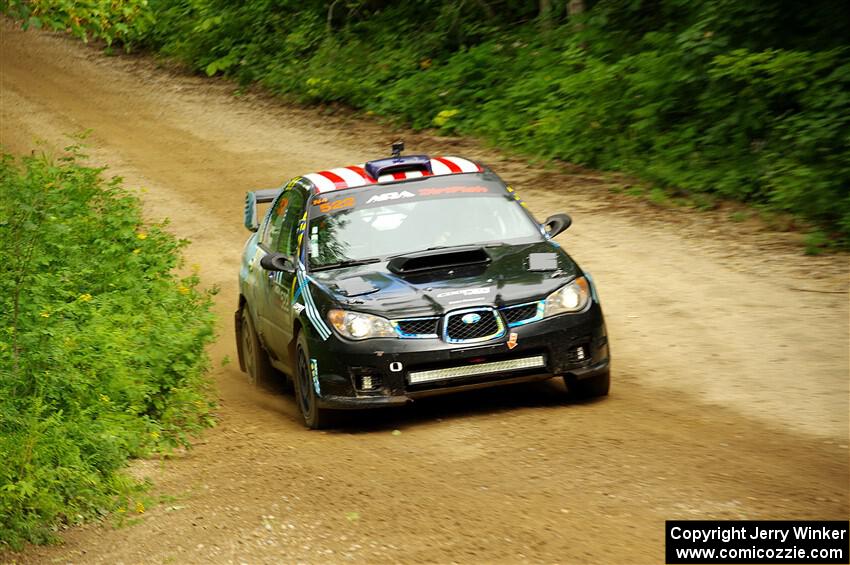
(365, 380)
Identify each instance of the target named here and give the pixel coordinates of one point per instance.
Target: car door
(281, 237)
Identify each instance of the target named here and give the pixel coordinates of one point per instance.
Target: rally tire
(306, 398)
(257, 365)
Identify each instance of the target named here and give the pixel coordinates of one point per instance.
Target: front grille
(473, 325)
(523, 313)
(417, 327)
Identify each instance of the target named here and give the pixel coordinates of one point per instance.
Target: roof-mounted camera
(398, 147)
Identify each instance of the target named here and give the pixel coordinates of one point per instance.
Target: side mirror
(556, 224)
(277, 262)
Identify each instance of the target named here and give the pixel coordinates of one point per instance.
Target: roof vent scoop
(399, 164)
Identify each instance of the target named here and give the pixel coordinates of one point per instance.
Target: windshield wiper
(346, 263)
(435, 248)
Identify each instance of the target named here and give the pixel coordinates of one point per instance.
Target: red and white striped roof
(354, 176)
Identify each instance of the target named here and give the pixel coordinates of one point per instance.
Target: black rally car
(409, 276)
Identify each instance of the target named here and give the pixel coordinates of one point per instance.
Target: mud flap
(238, 323)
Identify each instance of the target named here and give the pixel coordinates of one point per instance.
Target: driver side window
(282, 232)
(275, 220)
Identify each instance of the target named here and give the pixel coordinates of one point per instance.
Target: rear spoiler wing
(264, 196)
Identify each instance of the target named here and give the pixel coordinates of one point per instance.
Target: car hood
(505, 280)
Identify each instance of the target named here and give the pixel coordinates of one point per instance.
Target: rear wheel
(591, 387)
(257, 364)
(305, 390)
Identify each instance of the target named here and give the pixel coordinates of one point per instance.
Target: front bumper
(574, 346)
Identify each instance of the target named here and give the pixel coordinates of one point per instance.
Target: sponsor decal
(341, 204)
(312, 312)
(451, 190)
(302, 227)
(326, 206)
(281, 206)
(298, 308)
(465, 292)
(396, 367)
(314, 368)
(517, 198)
(390, 196)
(512, 339)
(465, 300)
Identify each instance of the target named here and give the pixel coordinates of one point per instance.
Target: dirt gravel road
(730, 381)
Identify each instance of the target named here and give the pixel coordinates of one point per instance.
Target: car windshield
(378, 224)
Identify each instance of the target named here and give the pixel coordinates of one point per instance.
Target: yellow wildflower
(444, 116)
(45, 314)
(142, 235)
(140, 507)
(85, 297)
(136, 251)
(183, 289)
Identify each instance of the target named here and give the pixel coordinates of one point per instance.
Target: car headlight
(572, 297)
(357, 325)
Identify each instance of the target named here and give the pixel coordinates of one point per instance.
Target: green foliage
(113, 21)
(739, 100)
(102, 348)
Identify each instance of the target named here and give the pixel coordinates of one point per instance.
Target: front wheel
(305, 388)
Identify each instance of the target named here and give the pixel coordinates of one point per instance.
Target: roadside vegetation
(749, 101)
(101, 346)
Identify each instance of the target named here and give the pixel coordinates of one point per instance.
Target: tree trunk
(545, 14)
(329, 23)
(491, 15)
(575, 7)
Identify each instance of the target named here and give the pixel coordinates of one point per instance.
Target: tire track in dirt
(730, 390)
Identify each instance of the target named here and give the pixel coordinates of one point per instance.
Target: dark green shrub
(113, 21)
(101, 345)
(744, 100)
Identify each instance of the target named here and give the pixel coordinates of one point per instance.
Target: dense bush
(101, 345)
(122, 21)
(748, 100)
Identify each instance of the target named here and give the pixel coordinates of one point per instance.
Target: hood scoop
(423, 261)
(355, 286)
(542, 262)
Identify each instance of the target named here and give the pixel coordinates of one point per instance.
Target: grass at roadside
(102, 346)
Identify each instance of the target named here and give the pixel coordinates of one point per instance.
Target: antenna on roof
(398, 147)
